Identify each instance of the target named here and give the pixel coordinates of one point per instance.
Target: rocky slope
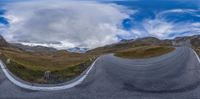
(40, 49)
(3, 42)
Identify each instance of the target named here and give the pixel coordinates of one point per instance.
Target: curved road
(172, 76)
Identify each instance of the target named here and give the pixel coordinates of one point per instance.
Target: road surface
(172, 76)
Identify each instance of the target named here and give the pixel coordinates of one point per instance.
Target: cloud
(89, 24)
(157, 27)
(72, 23)
(179, 11)
(163, 28)
(176, 11)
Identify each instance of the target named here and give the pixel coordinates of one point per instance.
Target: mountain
(194, 40)
(3, 42)
(40, 49)
(125, 44)
(78, 50)
(17, 46)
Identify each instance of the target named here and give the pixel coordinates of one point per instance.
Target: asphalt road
(172, 76)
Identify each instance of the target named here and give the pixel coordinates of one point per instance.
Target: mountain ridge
(195, 40)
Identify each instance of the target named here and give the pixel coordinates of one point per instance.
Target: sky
(64, 24)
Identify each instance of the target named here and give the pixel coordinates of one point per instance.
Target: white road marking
(37, 88)
(197, 56)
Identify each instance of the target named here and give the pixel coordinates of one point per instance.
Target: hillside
(30, 63)
(3, 42)
(39, 49)
(126, 44)
(195, 41)
(65, 65)
(144, 52)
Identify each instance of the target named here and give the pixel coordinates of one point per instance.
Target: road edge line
(38, 88)
(196, 55)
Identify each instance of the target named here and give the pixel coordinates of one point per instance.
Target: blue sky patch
(158, 18)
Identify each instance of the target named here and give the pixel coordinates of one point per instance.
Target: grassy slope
(32, 66)
(63, 65)
(128, 45)
(50, 61)
(196, 45)
(197, 49)
(144, 52)
(37, 76)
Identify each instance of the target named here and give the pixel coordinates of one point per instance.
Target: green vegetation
(197, 49)
(196, 45)
(128, 44)
(48, 61)
(63, 66)
(144, 52)
(32, 67)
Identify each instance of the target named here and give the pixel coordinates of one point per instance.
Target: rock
(8, 61)
(3, 42)
(47, 75)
